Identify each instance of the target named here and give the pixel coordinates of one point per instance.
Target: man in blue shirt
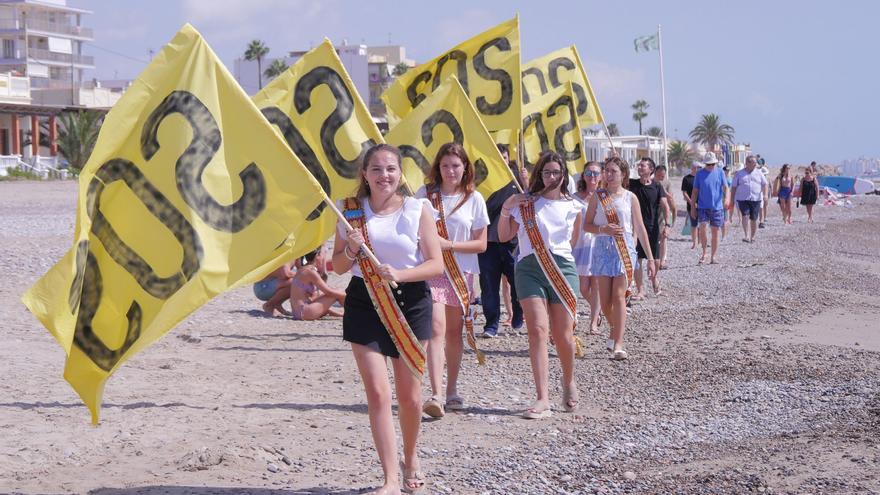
(707, 202)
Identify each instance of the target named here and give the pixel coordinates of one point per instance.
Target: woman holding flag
(463, 220)
(546, 274)
(382, 322)
(613, 215)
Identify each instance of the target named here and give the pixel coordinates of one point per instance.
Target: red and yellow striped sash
(453, 272)
(411, 350)
(619, 240)
(548, 265)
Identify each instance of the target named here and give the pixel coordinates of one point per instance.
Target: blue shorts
(265, 289)
(784, 193)
(715, 218)
(750, 208)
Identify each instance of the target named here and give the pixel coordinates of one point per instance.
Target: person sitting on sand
(275, 288)
(310, 296)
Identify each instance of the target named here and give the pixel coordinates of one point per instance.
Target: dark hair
(650, 161)
(363, 189)
(434, 179)
(660, 167)
(309, 257)
(784, 172)
(620, 163)
(581, 183)
(503, 148)
(536, 181)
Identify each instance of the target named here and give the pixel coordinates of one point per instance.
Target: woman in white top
(558, 218)
(587, 184)
(453, 174)
(403, 236)
(606, 263)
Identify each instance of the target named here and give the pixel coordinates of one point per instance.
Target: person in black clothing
(498, 259)
(652, 198)
(687, 189)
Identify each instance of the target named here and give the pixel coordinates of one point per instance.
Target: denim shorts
(715, 218)
(265, 289)
(750, 208)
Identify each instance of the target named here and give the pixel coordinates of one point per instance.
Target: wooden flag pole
(610, 141)
(520, 160)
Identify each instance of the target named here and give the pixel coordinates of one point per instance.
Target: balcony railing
(40, 54)
(47, 26)
(14, 86)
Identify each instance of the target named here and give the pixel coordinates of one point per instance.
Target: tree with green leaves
(77, 135)
(613, 130)
(400, 69)
(275, 69)
(654, 131)
(710, 132)
(639, 112)
(256, 50)
(681, 155)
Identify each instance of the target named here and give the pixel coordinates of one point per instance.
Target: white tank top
(622, 205)
(394, 237)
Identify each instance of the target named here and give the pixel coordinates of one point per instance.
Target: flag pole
(663, 98)
(610, 141)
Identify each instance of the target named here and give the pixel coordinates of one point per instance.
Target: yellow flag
(487, 66)
(551, 123)
(187, 191)
(316, 108)
(445, 116)
(553, 71)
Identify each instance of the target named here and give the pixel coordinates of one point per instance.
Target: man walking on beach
(707, 203)
(652, 197)
(748, 190)
(661, 177)
(765, 203)
(498, 260)
(687, 190)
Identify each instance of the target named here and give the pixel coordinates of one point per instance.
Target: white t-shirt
(556, 219)
(749, 185)
(470, 216)
(394, 237)
(622, 205)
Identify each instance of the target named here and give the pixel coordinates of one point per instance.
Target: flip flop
(570, 399)
(619, 355)
(532, 413)
(414, 482)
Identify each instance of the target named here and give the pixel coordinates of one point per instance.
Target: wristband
(345, 252)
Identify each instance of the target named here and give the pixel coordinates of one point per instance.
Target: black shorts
(361, 323)
(750, 208)
(653, 241)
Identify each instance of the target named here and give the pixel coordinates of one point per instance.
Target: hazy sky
(796, 79)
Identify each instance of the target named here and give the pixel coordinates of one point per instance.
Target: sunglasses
(551, 173)
(590, 173)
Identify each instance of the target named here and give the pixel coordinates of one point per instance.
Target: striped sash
(409, 347)
(549, 267)
(453, 272)
(619, 241)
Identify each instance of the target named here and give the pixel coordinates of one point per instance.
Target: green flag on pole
(647, 43)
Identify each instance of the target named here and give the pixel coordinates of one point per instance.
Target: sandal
(619, 355)
(433, 408)
(454, 403)
(413, 482)
(532, 413)
(570, 399)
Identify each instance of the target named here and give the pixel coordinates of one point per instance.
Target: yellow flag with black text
(550, 123)
(488, 68)
(316, 108)
(446, 116)
(187, 192)
(552, 71)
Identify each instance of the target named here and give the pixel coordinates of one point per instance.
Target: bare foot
(270, 310)
(387, 489)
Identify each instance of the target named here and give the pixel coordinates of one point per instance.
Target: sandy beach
(758, 375)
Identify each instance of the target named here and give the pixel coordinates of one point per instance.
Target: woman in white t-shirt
(558, 218)
(452, 175)
(403, 236)
(607, 264)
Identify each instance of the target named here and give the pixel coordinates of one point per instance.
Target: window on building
(9, 49)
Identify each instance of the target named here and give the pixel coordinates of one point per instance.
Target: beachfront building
(41, 75)
(371, 69)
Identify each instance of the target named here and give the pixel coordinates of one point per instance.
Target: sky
(796, 79)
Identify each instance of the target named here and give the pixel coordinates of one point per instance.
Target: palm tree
(681, 155)
(256, 50)
(640, 106)
(275, 69)
(654, 131)
(710, 132)
(400, 69)
(77, 135)
(613, 130)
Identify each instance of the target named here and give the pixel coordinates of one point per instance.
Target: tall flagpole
(663, 98)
